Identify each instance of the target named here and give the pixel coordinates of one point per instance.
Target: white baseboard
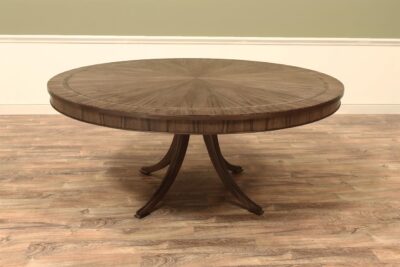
(27, 110)
(369, 68)
(369, 109)
(344, 109)
(100, 39)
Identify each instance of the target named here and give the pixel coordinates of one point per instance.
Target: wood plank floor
(330, 191)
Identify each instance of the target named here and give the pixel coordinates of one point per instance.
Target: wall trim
(344, 109)
(369, 68)
(40, 109)
(105, 39)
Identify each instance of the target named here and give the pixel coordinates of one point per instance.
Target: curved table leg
(175, 164)
(221, 168)
(233, 168)
(164, 162)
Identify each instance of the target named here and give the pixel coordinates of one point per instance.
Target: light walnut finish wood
(195, 96)
(330, 192)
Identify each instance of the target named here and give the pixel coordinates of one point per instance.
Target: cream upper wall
(263, 18)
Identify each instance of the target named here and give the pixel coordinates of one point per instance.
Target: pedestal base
(174, 158)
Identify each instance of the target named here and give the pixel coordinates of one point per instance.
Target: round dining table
(201, 96)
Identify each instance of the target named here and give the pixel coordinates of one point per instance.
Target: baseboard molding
(369, 109)
(344, 109)
(369, 68)
(27, 110)
(99, 39)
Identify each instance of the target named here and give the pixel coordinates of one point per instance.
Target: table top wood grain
(195, 96)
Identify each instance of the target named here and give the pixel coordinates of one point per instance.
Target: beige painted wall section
(263, 18)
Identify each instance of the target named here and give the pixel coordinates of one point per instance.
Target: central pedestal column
(174, 158)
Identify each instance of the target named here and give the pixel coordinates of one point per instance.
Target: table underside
(174, 158)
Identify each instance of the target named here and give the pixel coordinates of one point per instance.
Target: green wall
(269, 18)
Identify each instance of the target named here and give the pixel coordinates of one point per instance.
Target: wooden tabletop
(195, 96)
